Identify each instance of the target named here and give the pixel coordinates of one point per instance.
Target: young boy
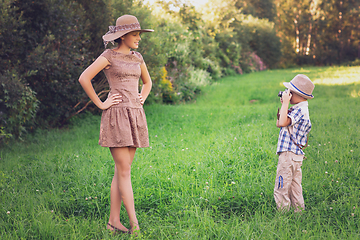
(294, 127)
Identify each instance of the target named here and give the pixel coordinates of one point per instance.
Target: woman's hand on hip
(141, 99)
(111, 100)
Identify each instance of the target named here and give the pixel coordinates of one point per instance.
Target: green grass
(209, 173)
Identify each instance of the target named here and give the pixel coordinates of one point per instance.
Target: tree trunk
(309, 37)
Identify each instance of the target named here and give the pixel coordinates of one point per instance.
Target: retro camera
(280, 94)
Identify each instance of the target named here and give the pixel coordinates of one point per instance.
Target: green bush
(199, 77)
(11, 40)
(18, 106)
(55, 56)
(261, 38)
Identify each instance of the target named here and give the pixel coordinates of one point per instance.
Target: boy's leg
(283, 181)
(296, 194)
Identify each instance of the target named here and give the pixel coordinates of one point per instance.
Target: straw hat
(124, 25)
(301, 85)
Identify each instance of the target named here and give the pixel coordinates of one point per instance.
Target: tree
(257, 8)
(320, 31)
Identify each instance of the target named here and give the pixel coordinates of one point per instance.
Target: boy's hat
(302, 85)
(124, 25)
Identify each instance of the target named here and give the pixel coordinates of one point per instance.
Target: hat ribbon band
(300, 90)
(114, 29)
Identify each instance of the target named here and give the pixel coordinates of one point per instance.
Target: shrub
(18, 106)
(55, 56)
(262, 38)
(199, 77)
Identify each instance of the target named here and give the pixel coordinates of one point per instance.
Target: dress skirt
(124, 127)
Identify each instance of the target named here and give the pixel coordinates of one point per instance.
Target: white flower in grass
(186, 148)
(352, 214)
(207, 183)
(326, 172)
(86, 199)
(194, 170)
(155, 135)
(37, 190)
(319, 144)
(304, 231)
(182, 149)
(201, 197)
(337, 181)
(324, 143)
(89, 198)
(95, 197)
(52, 211)
(331, 208)
(336, 161)
(235, 138)
(232, 182)
(8, 212)
(168, 178)
(354, 207)
(351, 150)
(150, 166)
(325, 162)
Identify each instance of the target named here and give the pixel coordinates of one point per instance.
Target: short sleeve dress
(124, 124)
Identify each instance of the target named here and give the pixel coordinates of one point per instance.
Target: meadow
(209, 172)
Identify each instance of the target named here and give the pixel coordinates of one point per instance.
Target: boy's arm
(284, 120)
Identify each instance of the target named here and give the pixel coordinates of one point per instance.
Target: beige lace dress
(124, 124)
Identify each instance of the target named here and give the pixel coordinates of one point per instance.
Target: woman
(123, 123)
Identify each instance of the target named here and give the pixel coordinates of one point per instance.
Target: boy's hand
(286, 96)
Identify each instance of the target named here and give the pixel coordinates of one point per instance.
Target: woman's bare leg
(115, 205)
(123, 158)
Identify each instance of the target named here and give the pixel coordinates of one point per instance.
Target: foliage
(46, 42)
(257, 8)
(263, 39)
(18, 106)
(199, 77)
(320, 32)
(11, 40)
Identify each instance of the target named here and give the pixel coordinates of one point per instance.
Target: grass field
(209, 173)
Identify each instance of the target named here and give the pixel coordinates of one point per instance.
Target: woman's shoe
(117, 230)
(136, 231)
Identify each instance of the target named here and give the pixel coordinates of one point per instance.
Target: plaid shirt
(300, 126)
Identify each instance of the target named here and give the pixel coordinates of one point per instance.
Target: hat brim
(116, 35)
(289, 86)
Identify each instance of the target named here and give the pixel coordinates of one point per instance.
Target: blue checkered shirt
(300, 127)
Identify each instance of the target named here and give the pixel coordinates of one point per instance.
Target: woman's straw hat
(302, 85)
(124, 25)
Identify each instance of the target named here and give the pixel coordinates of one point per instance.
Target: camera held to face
(280, 94)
